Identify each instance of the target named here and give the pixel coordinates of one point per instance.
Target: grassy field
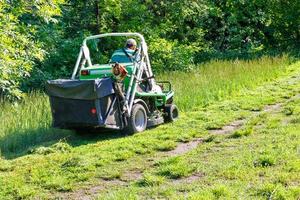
(27, 124)
(258, 160)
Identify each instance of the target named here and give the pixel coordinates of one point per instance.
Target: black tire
(137, 122)
(171, 113)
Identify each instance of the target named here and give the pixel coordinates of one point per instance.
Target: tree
(19, 20)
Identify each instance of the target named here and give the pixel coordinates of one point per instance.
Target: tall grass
(218, 79)
(28, 123)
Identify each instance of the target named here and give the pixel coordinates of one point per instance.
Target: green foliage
(21, 51)
(170, 56)
(40, 40)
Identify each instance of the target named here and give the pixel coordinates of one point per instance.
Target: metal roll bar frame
(138, 69)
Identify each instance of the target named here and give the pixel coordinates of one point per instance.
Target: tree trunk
(97, 13)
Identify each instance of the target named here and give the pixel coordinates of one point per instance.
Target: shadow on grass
(18, 144)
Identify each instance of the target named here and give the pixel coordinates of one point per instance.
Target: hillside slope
(244, 147)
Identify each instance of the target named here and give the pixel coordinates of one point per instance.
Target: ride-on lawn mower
(122, 94)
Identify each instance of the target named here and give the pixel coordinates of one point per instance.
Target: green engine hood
(102, 71)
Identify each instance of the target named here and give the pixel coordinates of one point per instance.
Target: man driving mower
(127, 54)
(124, 55)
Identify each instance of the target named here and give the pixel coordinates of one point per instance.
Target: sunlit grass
(218, 79)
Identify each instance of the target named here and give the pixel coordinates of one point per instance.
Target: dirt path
(183, 148)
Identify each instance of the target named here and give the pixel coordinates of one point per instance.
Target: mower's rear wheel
(138, 119)
(171, 113)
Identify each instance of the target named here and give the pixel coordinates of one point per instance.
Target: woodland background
(40, 39)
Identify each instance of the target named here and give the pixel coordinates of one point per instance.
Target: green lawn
(258, 161)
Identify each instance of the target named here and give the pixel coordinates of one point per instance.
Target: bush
(168, 55)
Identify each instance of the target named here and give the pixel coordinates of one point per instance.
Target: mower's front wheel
(137, 121)
(171, 113)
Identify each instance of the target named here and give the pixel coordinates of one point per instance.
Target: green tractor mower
(122, 94)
